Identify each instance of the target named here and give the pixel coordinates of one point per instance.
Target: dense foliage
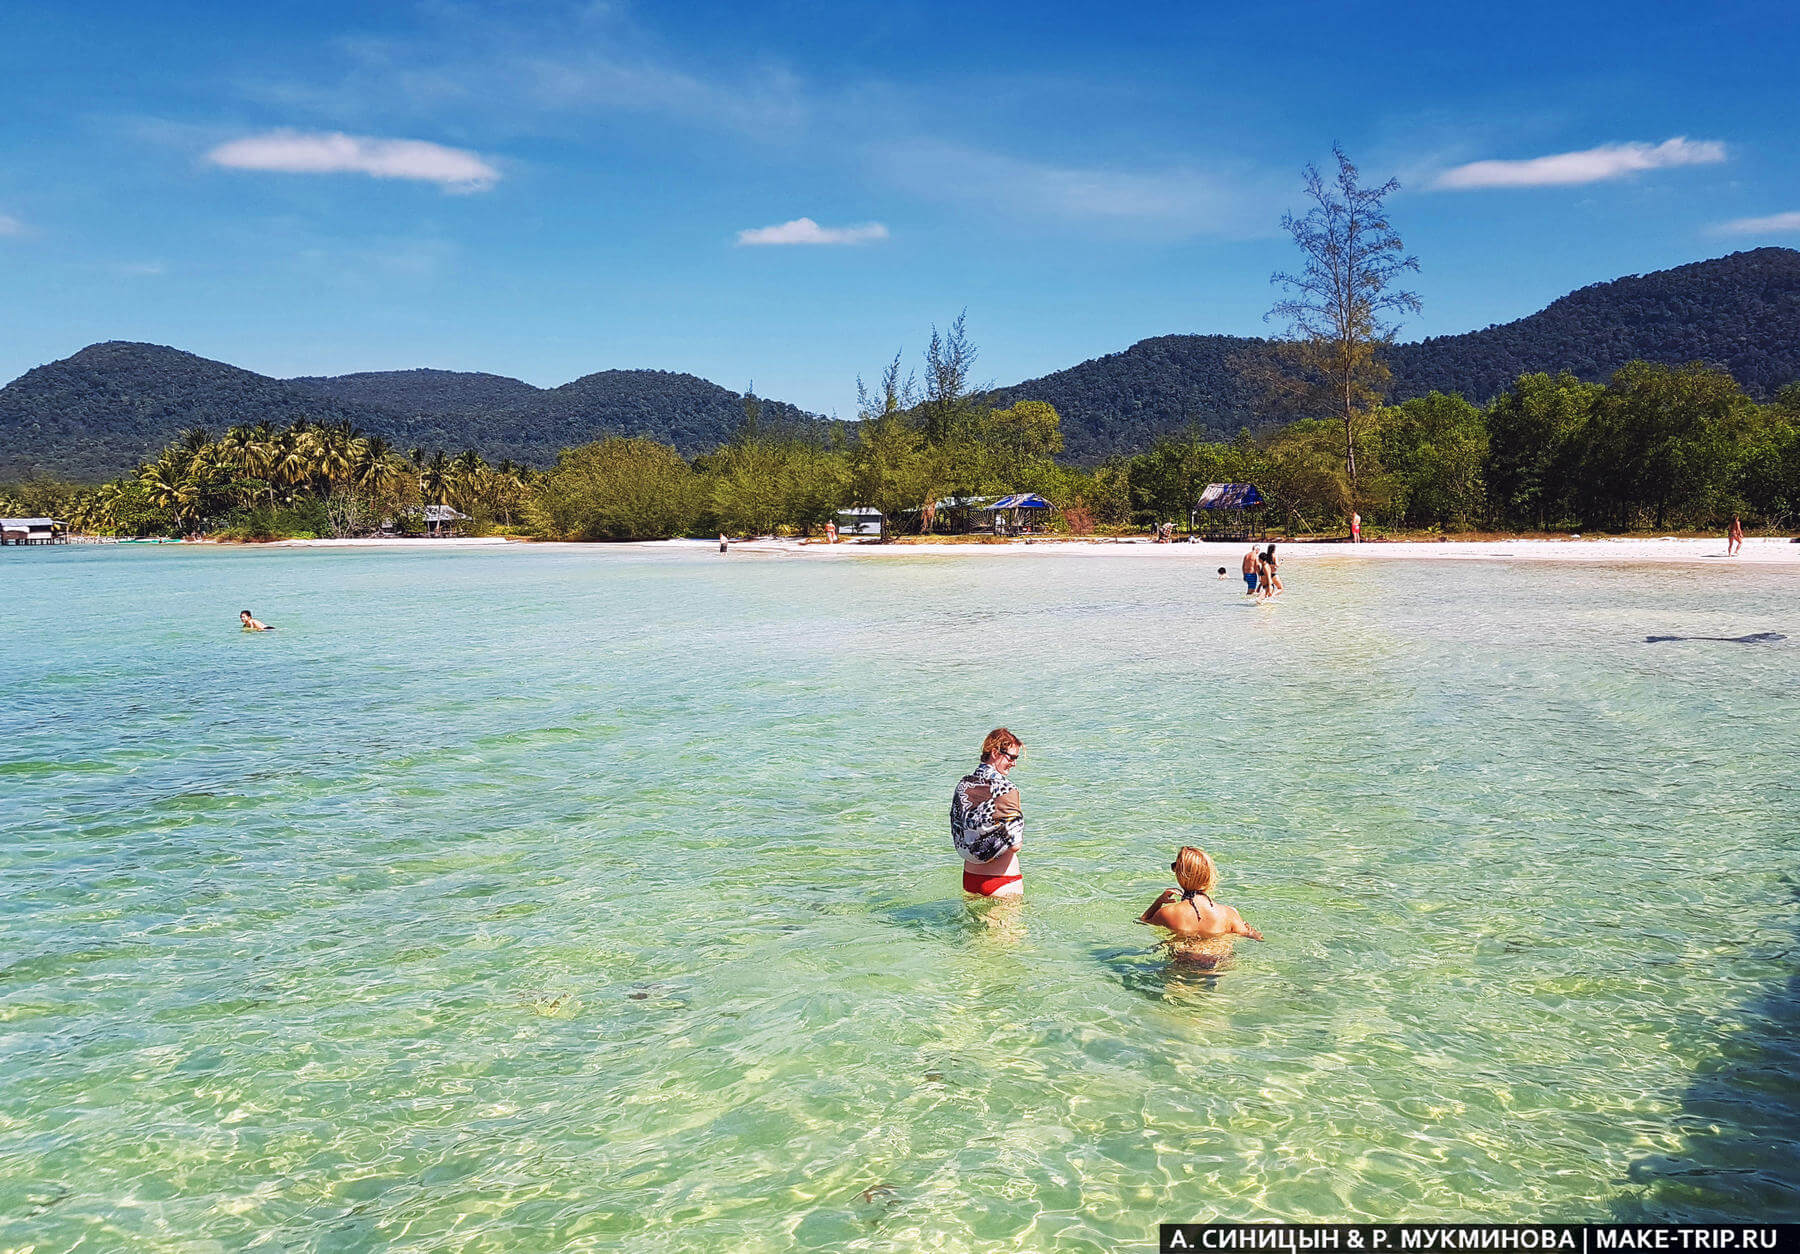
(1654, 447)
(262, 482)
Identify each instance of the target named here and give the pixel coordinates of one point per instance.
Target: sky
(786, 194)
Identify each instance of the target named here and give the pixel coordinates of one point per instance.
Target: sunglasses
(1012, 755)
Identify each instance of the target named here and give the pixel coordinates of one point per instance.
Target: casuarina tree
(1339, 308)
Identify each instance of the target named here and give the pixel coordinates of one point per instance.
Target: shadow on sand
(1741, 1118)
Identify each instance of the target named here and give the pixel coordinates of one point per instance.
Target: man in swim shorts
(987, 821)
(1252, 564)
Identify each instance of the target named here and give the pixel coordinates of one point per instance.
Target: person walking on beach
(1201, 929)
(1355, 527)
(830, 532)
(1252, 569)
(250, 623)
(1734, 539)
(987, 820)
(724, 546)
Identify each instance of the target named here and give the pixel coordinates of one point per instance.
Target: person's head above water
(1194, 871)
(244, 614)
(1002, 750)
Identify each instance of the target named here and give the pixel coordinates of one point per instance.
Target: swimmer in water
(1221, 572)
(1201, 930)
(250, 624)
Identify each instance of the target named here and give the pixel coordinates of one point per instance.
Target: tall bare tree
(1339, 308)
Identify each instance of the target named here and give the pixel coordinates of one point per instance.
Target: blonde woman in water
(1202, 930)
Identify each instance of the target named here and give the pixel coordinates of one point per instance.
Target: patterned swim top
(979, 834)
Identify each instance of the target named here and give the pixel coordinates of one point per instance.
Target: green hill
(99, 412)
(1741, 312)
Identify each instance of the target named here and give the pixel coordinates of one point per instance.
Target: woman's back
(1197, 915)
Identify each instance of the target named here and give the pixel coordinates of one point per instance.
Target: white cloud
(806, 231)
(10, 225)
(1592, 165)
(1775, 223)
(300, 152)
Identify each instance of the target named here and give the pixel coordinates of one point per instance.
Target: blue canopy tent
(1017, 513)
(1229, 511)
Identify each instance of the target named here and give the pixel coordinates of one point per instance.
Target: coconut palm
(434, 478)
(166, 484)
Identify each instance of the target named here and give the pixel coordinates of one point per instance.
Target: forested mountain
(1121, 402)
(101, 411)
(97, 413)
(1740, 312)
(423, 391)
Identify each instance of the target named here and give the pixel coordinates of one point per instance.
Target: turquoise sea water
(592, 898)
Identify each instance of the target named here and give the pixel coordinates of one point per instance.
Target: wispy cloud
(806, 231)
(10, 226)
(301, 152)
(1591, 165)
(143, 269)
(538, 69)
(1773, 224)
(1174, 200)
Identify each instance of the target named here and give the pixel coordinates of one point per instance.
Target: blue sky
(544, 190)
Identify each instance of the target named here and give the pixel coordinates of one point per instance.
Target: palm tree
(434, 478)
(168, 487)
(370, 455)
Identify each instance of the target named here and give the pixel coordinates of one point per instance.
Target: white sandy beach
(1669, 550)
(395, 542)
(1665, 551)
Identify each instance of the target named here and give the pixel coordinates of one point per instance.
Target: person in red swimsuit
(987, 820)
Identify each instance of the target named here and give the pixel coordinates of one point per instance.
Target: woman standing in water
(987, 821)
(1201, 928)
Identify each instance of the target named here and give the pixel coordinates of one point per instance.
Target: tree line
(1655, 447)
(258, 482)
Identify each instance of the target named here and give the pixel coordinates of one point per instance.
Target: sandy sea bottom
(587, 898)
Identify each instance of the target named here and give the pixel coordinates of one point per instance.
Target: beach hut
(32, 531)
(1018, 514)
(960, 515)
(1228, 511)
(441, 520)
(859, 521)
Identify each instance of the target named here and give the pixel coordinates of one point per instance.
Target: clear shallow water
(595, 897)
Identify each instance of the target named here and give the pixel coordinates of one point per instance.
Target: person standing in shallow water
(987, 820)
(1734, 539)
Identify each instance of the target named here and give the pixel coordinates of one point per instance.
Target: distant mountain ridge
(99, 412)
(1740, 312)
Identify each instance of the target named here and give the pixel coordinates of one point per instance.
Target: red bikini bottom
(987, 885)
